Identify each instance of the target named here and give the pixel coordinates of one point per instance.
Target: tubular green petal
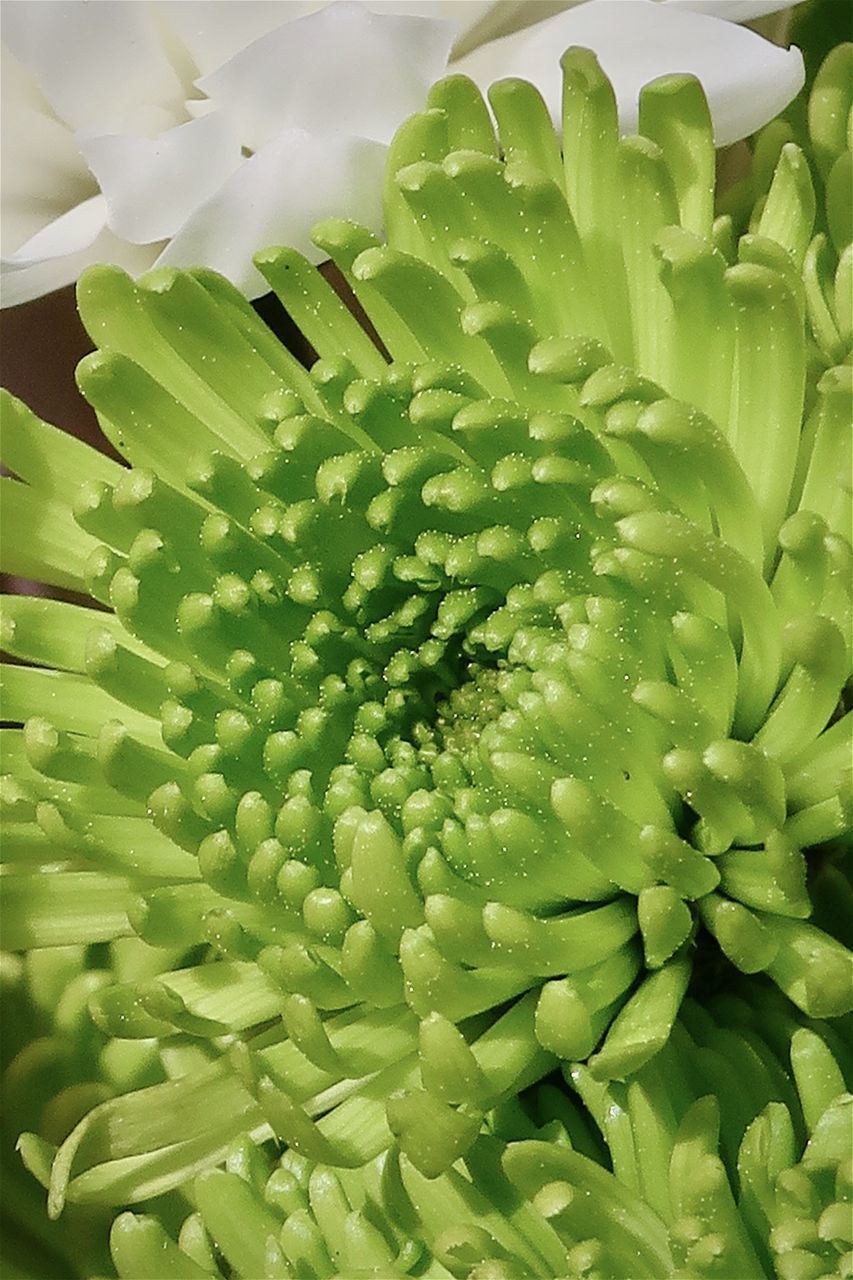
(788, 213)
(306, 296)
(820, 297)
(237, 1222)
(131, 1166)
(837, 205)
(283, 364)
(674, 114)
(130, 320)
(55, 550)
(815, 774)
(767, 1149)
(717, 564)
(812, 968)
(572, 1012)
(45, 457)
(772, 879)
(54, 634)
(825, 489)
(140, 1247)
(524, 125)
(589, 119)
(643, 1025)
(63, 908)
(423, 137)
(542, 1172)
(430, 1133)
(69, 701)
(468, 122)
(810, 695)
(693, 272)
(644, 173)
(818, 1076)
(699, 1183)
(122, 391)
(829, 106)
(401, 281)
(769, 391)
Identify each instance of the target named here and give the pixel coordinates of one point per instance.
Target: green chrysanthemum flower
(753, 1185)
(57, 1065)
(458, 695)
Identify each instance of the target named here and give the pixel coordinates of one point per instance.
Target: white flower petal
(57, 254)
(43, 172)
(212, 31)
(74, 230)
(152, 185)
(275, 197)
(502, 18)
(467, 17)
(747, 79)
(479, 21)
(735, 10)
(101, 66)
(198, 107)
(340, 68)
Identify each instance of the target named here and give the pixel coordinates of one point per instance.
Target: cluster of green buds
(445, 711)
(698, 1187)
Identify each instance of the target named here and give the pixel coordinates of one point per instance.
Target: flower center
(465, 712)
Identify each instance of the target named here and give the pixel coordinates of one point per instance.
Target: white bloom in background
(194, 131)
(190, 132)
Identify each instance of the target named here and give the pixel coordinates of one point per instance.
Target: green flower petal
(461, 702)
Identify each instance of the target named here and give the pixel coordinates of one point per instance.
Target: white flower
(189, 132)
(192, 131)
